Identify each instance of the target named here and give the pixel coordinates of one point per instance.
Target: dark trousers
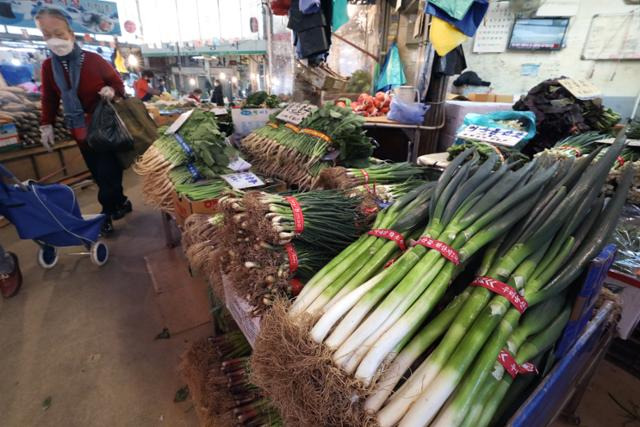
(107, 173)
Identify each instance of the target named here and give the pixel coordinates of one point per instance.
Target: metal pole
(139, 18)
(269, 33)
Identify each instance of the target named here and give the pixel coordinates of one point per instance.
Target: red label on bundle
(296, 286)
(511, 366)
(447, 251)
(298, 217)
(570, 148)
(504, 290)
(390, 262)
(365, 174)
(389, 235)
(620, 161)
(293, 257)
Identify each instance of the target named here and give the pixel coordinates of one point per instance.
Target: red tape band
(366, 176)
(447, 251)
(390, 263)
(293, 257)
(389, 235)
(298, 217)
(503, 290)
(296, 286)
(510, 365)
(620, 161)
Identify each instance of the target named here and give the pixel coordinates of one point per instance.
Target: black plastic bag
(107, 131)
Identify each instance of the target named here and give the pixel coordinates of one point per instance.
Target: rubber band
(298, 216)
(294, 128)
(273, 125)
(620, 161)
(389, 263)
(497, 150)
(447, 251)
(193, 170)
(317, 134)
(296, 286)
(504, 290)
(512, 367)
(392, 235)
(570, 148)
(293, 257)
(365, 175)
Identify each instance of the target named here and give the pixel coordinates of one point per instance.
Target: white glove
(46, 136)
(107, 93)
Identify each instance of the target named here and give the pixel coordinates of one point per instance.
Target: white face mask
(60, 47)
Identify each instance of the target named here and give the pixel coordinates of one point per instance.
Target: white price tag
(175, 127)
(242, 180)
(239, 165)
(581, 89)
(295, 113)
(219, 111)
(506, 137)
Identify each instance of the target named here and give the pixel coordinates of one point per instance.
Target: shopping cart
(49, 215)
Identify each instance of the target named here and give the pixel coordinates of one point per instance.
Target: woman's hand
(46, 136)
(107, 93)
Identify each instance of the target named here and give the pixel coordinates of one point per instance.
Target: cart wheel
(47, 256)
(99, 253)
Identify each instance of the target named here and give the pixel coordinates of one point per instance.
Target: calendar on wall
(493, 33)
(613, 37)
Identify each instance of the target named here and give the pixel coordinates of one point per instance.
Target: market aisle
(84, 336)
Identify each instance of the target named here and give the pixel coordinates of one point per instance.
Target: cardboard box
(184, 207)
(245, 120)
(9, 138)
(322, 79)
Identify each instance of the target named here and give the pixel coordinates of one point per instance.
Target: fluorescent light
(234, 79)
(275, 81)
(254, 76)
(222, 76)
(192, 81)
(16, 62)
(132, 60)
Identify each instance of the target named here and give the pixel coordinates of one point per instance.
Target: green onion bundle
(200, 239)
(485, 149)
(203, 190)
(383, 173)
(577, 145)
(538, 226)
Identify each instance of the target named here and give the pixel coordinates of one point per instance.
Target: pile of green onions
(577, 145)
(538, 227)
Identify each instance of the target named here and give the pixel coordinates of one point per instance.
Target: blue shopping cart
(49, 215)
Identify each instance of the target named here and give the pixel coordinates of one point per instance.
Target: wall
(614, 78)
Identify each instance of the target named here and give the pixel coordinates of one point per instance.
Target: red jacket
(95, 74)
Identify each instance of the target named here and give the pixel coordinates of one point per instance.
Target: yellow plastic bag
(444, 36)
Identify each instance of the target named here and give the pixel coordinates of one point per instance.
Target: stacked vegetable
(273, 243)
(261, 99)
(382, 173)
(216, 372)
(357, 329)
(25, 111)
(200, 239)
(369, 106)
(189, 160)
(298, 154)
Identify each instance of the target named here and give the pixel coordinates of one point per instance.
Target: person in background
(216, 97)
(80, 79)
(195, 94)
(143, 90)
(10, 274)
(161, 85)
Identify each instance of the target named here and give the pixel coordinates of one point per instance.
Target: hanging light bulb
(222, 76)
(16, 62)
(132, 60)
(234, 80)
(192, 81)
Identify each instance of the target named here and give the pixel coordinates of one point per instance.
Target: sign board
(295, 113)
(84, 16)
(581, 89)
(219, 111)
(506, 137)
(246, 120)
(175, 126)
(239, 165)
(613, 37)
(243, 180)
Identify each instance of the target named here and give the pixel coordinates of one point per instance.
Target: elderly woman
(79, 78)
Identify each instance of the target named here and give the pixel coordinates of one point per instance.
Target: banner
(84, 16)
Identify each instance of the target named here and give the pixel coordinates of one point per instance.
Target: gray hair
(52, 13)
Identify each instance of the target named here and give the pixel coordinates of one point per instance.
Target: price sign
(239, 165)
(175, 127)
(581, 89)
(242, 180)
(506, 137)
(295, 113)
(219, 111)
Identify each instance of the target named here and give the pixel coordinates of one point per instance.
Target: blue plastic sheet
(491, 120)
(340, 15)
(469, 23)
(454, 8)
(402, 112)
(392, 73)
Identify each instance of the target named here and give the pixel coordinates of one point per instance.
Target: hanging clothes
(312, 31)
(469, 24)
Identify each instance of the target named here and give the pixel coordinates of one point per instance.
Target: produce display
(200, 239)
(298, 154)
(560, 114)
(190, 160)
(359, 82)
(633, 131)
(216, 370)
(367, 340)
(367, 105)
(25, 111)
(261, 99)
(383, 173)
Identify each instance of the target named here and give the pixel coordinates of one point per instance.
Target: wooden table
(412, 131)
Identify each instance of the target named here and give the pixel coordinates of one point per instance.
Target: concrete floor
(83, 337)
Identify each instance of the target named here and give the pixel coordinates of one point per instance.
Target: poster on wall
(85, 16)
(493, 34)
